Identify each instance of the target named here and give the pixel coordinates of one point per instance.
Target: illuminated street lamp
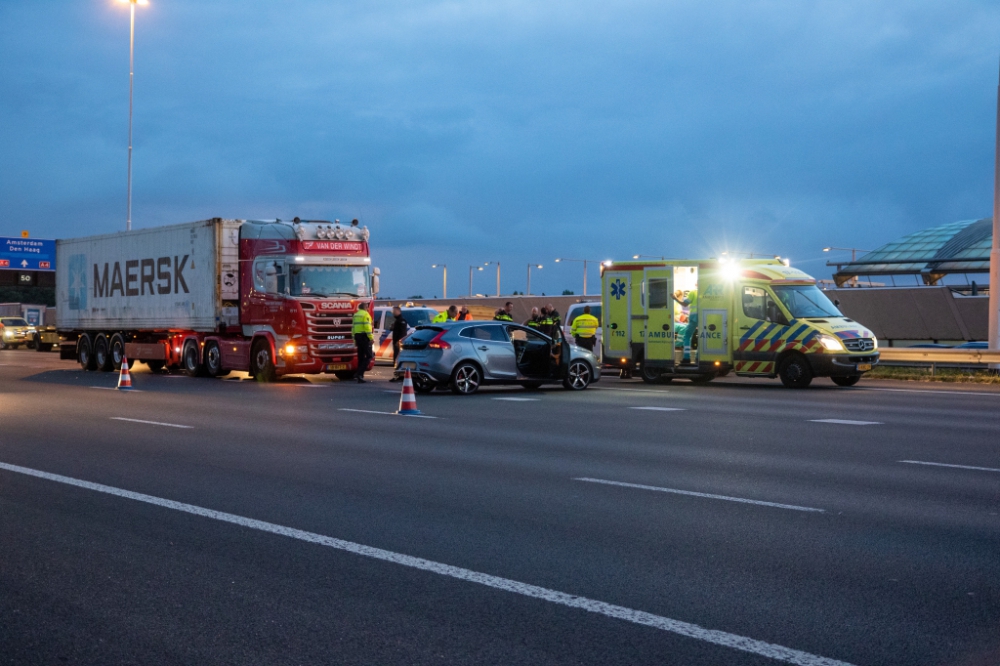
(527, 292)
(471, 269)
(444, 283)
(498, 274)
(131, 75)
(648, 256)
(585, 262)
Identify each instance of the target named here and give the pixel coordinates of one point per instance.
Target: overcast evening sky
(466, 132)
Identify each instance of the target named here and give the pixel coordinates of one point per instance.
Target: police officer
(549, 322)
(584, 329)
(534, 320)
(448, 315)
(400, 327)
(503, 314)
(361, 327)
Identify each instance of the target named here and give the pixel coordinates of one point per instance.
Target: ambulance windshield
(350, 281)
(806, 301)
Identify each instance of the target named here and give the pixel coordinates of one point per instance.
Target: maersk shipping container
(184, 276)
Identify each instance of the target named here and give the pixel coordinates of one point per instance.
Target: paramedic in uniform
(691, 303)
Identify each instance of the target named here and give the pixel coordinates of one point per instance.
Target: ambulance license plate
(864, 367)
(333, 367)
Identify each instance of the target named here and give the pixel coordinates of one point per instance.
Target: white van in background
(572, 313)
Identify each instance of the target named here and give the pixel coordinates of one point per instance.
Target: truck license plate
(333, 367)
(864, 367)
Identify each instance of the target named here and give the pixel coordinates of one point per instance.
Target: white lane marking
(845, 422)
(674, 491)
(372, 411)
(157, 423)
(608, 388)
(921, 462)
(115, 388)
(714, 636)
(895, 390)
(519, 399)
(661, 409)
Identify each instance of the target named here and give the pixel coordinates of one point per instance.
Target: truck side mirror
(375, 275)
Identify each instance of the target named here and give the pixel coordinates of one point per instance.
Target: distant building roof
(957, 247)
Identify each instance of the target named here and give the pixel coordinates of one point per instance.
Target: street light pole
(444, 279)
(472, 268)
(131, 77)
(498, 274)
(528, 290)
(585, 262)
(994, 320)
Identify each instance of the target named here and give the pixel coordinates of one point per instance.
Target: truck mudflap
(841, 365)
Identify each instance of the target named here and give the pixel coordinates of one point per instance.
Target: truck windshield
(329, 281)
(806, 301)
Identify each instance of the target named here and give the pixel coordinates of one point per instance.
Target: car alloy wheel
(578, 376)
(466, 379)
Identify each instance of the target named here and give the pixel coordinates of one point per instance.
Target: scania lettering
(702, 319)
(267, 297)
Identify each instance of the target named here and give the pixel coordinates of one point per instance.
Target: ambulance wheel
(344, 375)
(102, 353)
(213, 360)
(192, 365)
(85, 353)
(155, 366)
(118, 351)
(702, 379)
(795, 372)
(651, 375)
(846, 381)
(466, 378)
(261, 363)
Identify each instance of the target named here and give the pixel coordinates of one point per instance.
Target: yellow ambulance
(702, 319)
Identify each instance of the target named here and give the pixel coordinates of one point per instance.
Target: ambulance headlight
(874, 342)
(831, 343)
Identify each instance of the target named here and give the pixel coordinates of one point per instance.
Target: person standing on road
(584, 329)
(556, 320)
(361, 327)
(503, 314)
(549, 322)
(534, 320)
(691, 303)
(463, 314)
(448, 315)
(400, 327)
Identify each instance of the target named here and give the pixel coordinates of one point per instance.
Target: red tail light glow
(438, 343)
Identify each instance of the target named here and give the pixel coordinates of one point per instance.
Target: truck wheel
(213, 360)
(795, 371)
(466, 378)
(846, 381)
(261, 363)
(190, 362)
(85, 353)
(155, 367)
(102, 353)
(578, 376)
(118, 351)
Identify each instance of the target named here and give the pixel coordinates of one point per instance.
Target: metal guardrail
(957, 356)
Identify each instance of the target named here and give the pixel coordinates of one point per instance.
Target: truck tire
(213, 360)
(261, 363)
(85, 353)
(795, 372)
(155, 367)
(118, 352)
(102, 353)
(846, 381)
(190, 362)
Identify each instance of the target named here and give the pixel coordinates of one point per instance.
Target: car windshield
(13, 321)
(329, 281)
(806, 301)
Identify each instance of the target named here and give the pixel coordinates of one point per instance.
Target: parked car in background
(14, 332)
(465, 355)
(382, 318)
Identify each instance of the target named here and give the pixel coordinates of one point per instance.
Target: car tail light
(438, 343)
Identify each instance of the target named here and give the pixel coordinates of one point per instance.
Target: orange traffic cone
(124, 379)
(408, 399)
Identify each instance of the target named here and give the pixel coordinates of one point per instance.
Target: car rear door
(494, 349)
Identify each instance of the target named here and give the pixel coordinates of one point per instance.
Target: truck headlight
(831, 343)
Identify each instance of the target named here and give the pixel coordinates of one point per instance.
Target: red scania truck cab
(270, 298)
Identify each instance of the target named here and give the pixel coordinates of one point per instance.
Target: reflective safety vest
(362, 323)
(440, 318)
(503, 316)
(692, 300)
(533, 323)
(584, 326)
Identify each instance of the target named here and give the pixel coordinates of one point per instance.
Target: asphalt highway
(198, 521)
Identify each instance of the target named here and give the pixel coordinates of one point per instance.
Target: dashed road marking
(156, 423)
(115, 388)
(661, 409)
(936, 464)
(845, 422)
(518, 399)
(372, 411)
(679, 627)
(675, 491)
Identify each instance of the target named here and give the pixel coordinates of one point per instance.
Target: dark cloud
(467, 132)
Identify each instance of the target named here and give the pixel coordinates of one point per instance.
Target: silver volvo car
(468, 354)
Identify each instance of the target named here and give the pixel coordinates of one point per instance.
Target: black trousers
(364, 345)
(395, 349)
(586, 343)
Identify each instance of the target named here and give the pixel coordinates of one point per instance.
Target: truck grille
(859, 344)
(330, 337)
